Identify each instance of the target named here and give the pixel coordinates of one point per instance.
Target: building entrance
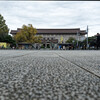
(48, 45)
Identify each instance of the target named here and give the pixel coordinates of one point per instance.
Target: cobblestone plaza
(49, 75)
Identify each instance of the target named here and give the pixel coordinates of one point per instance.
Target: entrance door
(48, 45)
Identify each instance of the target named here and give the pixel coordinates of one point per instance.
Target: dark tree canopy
(71, 39)
(3, 28)
(91, 40)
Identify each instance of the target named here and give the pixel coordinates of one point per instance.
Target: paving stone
(49, 75)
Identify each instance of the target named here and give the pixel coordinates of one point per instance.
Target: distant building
(52, 37)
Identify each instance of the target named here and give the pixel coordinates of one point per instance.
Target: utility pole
(87, 37)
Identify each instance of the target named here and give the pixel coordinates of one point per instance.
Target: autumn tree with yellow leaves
(27, 34)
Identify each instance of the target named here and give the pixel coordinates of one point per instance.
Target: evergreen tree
(3, 28)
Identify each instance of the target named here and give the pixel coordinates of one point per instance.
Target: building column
(50, 46)
(45, 45)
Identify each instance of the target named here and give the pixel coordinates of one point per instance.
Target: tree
(91, 41)
(27, 34)
(9, 39)
(71, 40)
(3, 28)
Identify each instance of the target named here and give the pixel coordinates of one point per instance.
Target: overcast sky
(52, 14)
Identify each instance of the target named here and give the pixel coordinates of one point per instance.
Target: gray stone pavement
(49, 75)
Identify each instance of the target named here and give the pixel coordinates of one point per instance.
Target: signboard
(3, 45)
(61, 39)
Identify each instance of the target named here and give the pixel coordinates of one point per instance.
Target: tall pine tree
(3, 29)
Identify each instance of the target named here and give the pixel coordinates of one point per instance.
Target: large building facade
(53, 37)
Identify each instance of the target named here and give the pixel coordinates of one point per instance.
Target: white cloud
(52, 14)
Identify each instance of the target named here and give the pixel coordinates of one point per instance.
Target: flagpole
(87, 36)
(77, 39)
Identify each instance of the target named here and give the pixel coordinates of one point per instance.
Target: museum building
(54, 37)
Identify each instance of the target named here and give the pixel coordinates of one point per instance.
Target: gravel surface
(49, 75)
